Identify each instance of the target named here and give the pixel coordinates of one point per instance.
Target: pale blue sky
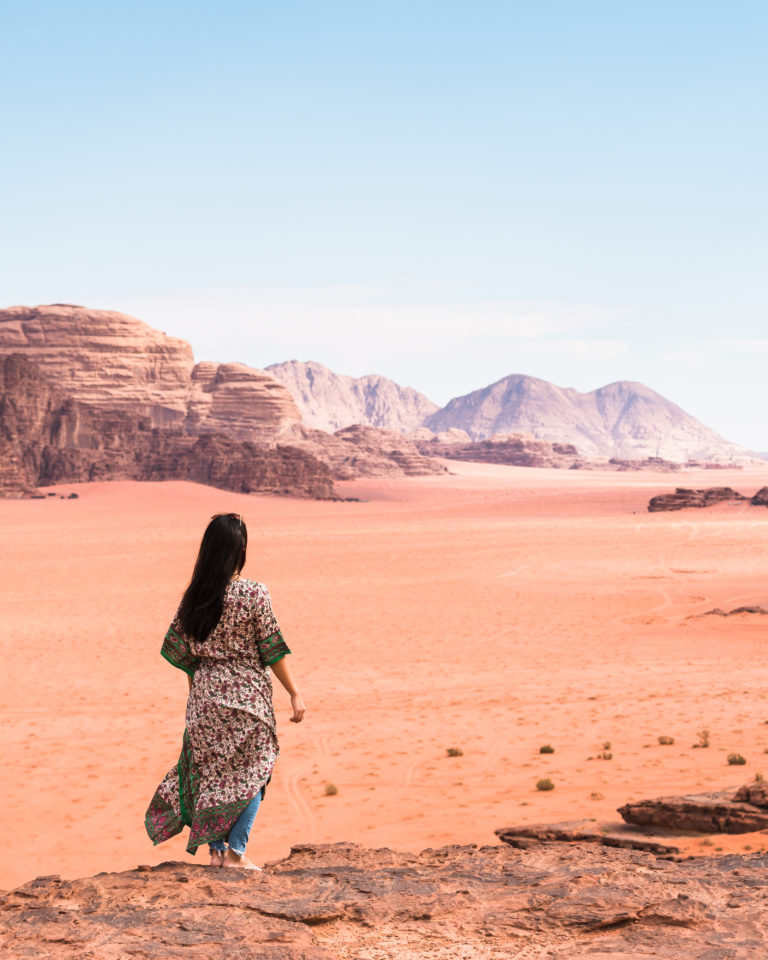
(442, 192)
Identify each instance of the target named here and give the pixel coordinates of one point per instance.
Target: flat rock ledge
(588, 831)
(723, 812)
(343, 901)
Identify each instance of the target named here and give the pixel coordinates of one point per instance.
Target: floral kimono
(230, 740)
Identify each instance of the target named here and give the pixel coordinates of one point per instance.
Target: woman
(224, 637)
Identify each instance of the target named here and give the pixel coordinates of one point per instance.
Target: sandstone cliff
(48, 437)
(112, 361)
(345, 902)
(330, 401)
(622, 420)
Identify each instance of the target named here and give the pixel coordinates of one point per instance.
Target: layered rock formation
(330, 401)
(116, 362)
(130, 403)
(48, 437)
(514, 449)
(624, 419)
(684, 498)
(526, 837)
(726, 811)
(346, 902)
(361, 451)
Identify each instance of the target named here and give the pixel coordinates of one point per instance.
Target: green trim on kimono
(176, 651)
(272, 648)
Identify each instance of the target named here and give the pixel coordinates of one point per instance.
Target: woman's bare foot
(217, 858)
(231, 859)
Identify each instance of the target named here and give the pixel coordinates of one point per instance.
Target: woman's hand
(283, 673)
(298, 708)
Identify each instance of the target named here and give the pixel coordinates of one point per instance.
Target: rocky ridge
(624, 420)
(513, 449)
(330, 401)
(346, 902)
(524, 450)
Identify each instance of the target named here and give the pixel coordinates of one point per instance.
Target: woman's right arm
(283, 673)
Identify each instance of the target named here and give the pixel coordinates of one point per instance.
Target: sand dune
(495, 610)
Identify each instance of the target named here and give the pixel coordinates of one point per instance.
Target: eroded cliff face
(346, 902)
(113, 361)
(49, 437)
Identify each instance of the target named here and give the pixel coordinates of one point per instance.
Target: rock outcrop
(346, 902)
(683, 498)
(513, 449)
(755, 792)
(586, 831)
(719, 812)
(624, 420)
(115, 362)
(330, 401)
(48, 437)
(361, 451)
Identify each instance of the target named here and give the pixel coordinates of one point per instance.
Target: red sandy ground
(495, 610)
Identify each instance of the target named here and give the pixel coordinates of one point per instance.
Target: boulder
(755, 792)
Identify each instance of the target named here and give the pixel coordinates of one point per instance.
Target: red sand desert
(495, 610)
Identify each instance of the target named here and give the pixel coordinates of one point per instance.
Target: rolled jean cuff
(217, 846)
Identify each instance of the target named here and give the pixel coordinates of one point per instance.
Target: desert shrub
(607, 745)
(736, 759)
(759, 777)
(703, 736)
(596, 796)
(454, 752)
(331, 790)
(605, 755)
(545, 784)
(546, 749)
(666, 741)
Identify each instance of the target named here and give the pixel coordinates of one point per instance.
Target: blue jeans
(238, 835)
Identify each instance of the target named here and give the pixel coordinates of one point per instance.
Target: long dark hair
(221, 556)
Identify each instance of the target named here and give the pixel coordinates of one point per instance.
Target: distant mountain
(623, 419)
(330, 401)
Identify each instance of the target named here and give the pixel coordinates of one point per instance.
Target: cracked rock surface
(345, 901)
